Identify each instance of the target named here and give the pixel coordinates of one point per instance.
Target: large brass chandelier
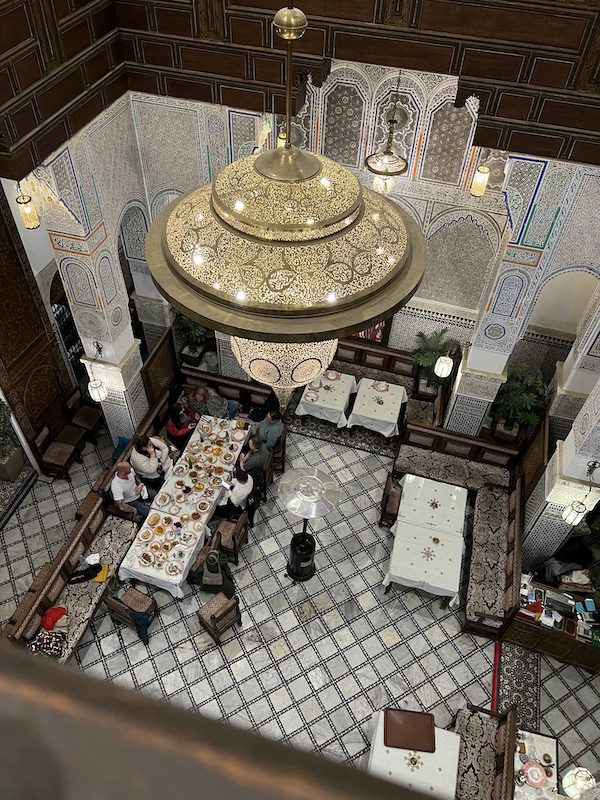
(286, 252)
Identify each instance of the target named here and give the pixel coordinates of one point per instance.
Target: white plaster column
(564, 480)
(472, 395)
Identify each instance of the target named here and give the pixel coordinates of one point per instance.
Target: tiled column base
(471, 398)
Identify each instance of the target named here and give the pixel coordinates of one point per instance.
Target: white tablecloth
(432, 504)
(434, 774)
(378, 408)
(330, 400)
(197, 457)
(428, 541)
(536, 746)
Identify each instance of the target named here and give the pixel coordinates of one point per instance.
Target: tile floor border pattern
(36, 531)
(312, 660)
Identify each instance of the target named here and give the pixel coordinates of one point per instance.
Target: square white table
(181, 510)
(434, 774)
(537, 745)
(428, 540)
(330, 400)
(432, 504)
(378, 407)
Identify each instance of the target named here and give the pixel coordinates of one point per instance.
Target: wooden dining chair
(233, 534)
(219, 614)
(390, 503)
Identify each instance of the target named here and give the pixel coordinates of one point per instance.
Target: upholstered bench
(448, 468)
(485, 760)
(495, 565)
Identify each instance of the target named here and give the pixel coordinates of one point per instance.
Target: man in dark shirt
(253, 462)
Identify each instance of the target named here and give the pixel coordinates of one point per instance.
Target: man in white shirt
(127, 490)
(234, 500)
(151, 461)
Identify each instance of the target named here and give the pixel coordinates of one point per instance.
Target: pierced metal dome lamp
(286, 252)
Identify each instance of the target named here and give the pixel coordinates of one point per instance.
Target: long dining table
(174, 531)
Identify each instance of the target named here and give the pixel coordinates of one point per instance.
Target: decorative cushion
(58, 454)
(87, 417)
(477, 755)
(138, 601)
(215, 605)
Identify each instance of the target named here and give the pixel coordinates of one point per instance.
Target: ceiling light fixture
(387, 163)
(27, 212)
(288, 229)
(97, 388)
(577, 509)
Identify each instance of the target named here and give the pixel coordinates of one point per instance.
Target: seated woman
(206, 400)
(233, 501)
(150, 459)
(179, 426)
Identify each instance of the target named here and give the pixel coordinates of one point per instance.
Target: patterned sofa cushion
(477, 755)
(449, 469)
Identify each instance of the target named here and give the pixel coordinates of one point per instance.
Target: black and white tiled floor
(314, 660)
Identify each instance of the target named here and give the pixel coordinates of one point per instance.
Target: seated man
(253, 461)
(179, 426)
(234, 500)
(127, 490)
(206, 400)
(270, 430)
(151, 461)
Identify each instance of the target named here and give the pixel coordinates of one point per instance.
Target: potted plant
(11, 455)
(520, 403)
(428, 350)
(194, 335)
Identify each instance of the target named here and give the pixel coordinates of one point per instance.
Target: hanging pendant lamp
(386, 164)
(285, 247)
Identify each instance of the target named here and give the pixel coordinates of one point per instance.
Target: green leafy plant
(194, 334)
(523, 399)
(8, 440)
(429, 348)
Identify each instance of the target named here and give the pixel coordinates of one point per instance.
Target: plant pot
(505, 434)
(11, 466)
(192, 357)
(426, 388)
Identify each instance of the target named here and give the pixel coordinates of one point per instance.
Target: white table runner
(377, 406)
(433, 774)
(330, 400)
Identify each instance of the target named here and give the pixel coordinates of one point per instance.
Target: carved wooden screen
(160, 370)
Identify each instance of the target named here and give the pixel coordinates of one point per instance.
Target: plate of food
(198, 486)
(195, 515)
(213, 437)
(167, 546)
(312, 397)
(228, 458)
(184, 518)
(380, 386)
(180, 484)
(145, 535)
(167, 521)
(160, 529)
(198, 527)
(217, 451)
(162, 498)
(535, 774)
(155, 547)
(332, 375)
(205, 427)
(170, 535)
(173, 568)
(223, 424)
(174, 509)
(238, 435)
(146, 558)
(193, 474)
(315, 384)
(180, 469)
(203, 505)
(209, 492)
(211, 459)
(153, 519)
(188, 538)
(162, 555)
(215, 481)
(219, 470)
(193, 446)
(191, 458)
(234, 447)
(207, 448)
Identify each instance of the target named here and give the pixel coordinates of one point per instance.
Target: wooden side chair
(279, 454)
(131, 600)
(56, 458)
(89, 418)
(232, 535)
(219, 614)
(390, 503)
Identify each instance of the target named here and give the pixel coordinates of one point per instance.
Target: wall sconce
(27, 211)
(96, 387)
(480, 181)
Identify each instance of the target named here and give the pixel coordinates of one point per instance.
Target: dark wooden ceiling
(535, 64)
